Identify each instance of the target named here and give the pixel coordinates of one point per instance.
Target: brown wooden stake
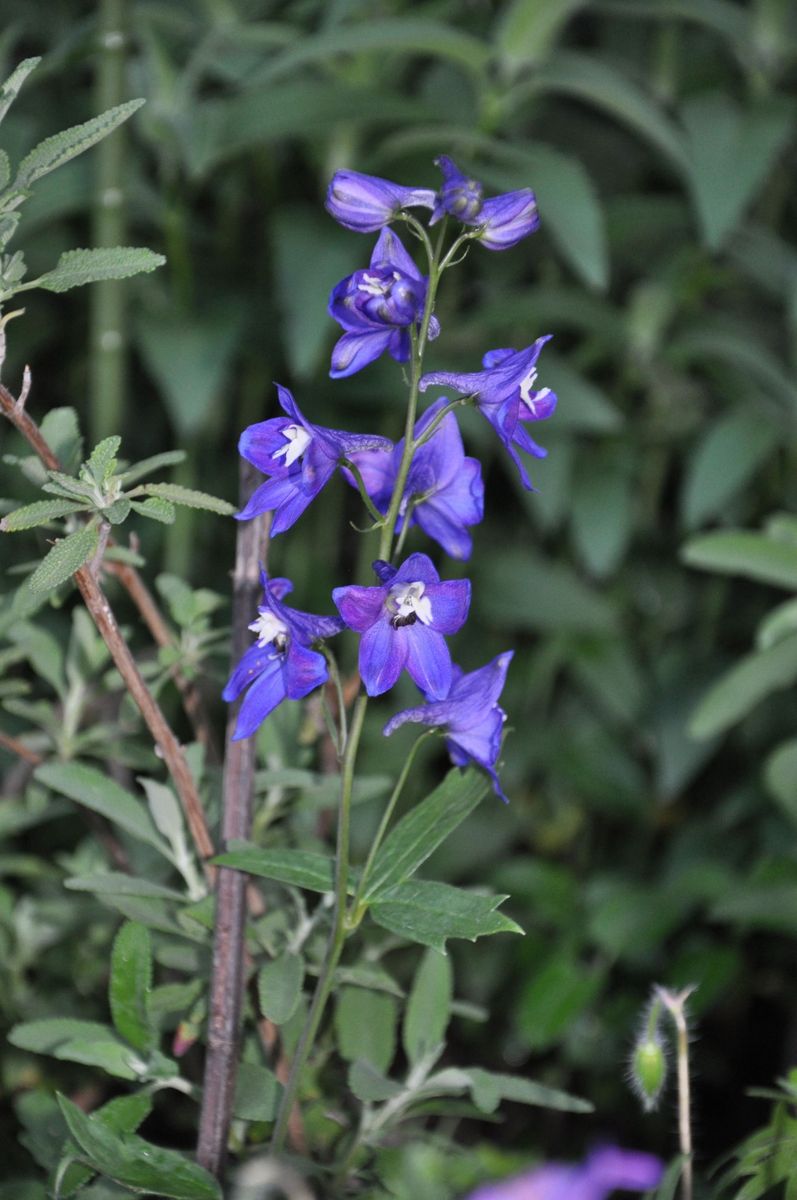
(227, 981)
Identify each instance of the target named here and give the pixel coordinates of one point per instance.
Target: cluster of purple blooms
(404, 619)
(605, 1170)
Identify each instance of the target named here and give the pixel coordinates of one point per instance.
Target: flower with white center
(297, 441)
(269, 628)
(403, 623)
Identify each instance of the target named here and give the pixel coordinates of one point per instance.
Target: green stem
(334, 673)
(437, 421)
(366, 499)
(337, 936)
(383, 824)
(419, 341)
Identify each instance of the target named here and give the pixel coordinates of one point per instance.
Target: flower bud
(366, 203)
(506, 220)
(648, 1069)
(460, 196)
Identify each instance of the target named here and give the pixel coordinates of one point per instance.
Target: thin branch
(101, 613)
(20, 749)
(155, 622)
(227, 978)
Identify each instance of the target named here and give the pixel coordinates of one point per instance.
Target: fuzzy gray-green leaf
(191, 498)
(41, 512)
(10, 89)
(58, 149)
(78, 267)
(67, 556)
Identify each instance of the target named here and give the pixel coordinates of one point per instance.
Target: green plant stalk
(337, 937)
(341, 926)
(108, 340)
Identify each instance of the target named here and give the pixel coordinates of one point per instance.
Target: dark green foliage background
(659, 137)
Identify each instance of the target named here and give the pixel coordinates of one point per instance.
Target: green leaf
(553, 998)
(489, 1089)
(430, 913)
(777, 624)
(44, 1036)
(392, 35)
(725, 460)
(96, 791)
(744, 686)
(58, 149)
(428, 1007)
(422, 830)
(538, 595)
(123, 1114)
(67, 556)
(10, 89)
(370, 1085)
(131, 986)
(605, 87)
(156, 509)
(603, 511)
(257, 1093)
(41, 512)
(78, 267)
(102, 459)
(301, 868)
(365, 1023)
(136, 1164)
(61, 431)
(527, 30)
(117, 512)
(177, 494)
(730, 20)
(114, 883)
(111, 1056)
(737, 552)
(169, 458)
(780, 775)
(731, 152)
(279, 986)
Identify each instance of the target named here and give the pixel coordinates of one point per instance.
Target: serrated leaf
(422, 830)
(301, 868)
(744, 686)
(279, 987)
(58, 149)
(117, 512)
(102, 459)
(178, 494)
(103, 795)
(44, 1036)
(67, 556)
(41, 512)
(430, 913)
(257, 1093)
(131, 985)
(135, 1163)
(5, 175)
(156, 509)
(737, 552)
(10, 89)
(169, 458)
(365, 1023)
(78, 267)
(428, 1007)
(489, 1088)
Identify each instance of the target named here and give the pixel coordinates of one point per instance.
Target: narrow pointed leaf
(425, 828)
(41, 512)
(67, 556)
(428, 1007)
(156, 509)
(96, 791)
(10, 89)
(178, 494)
(739, 552)
(301, 868)
(58, 149)
(78, 267)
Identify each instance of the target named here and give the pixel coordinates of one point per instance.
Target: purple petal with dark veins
(428, 659)
(359, 606)
(383, 655)
(303, 671)
(449, 603)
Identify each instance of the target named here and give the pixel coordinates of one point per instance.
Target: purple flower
(604, 1170)
(281, 663)
(365, 202)
(471, 715)
(504, 392)
(300, 457)
(460, 196)
(444, 486)
(377, 306)
(403, 622)
(503, 221)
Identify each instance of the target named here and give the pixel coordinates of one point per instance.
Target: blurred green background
(659, 136)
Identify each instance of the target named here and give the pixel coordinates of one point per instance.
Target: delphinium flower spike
(403, 622)
(281, 664)
(377, 306)
(300, 457)
(505, 394)
(470, 715)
